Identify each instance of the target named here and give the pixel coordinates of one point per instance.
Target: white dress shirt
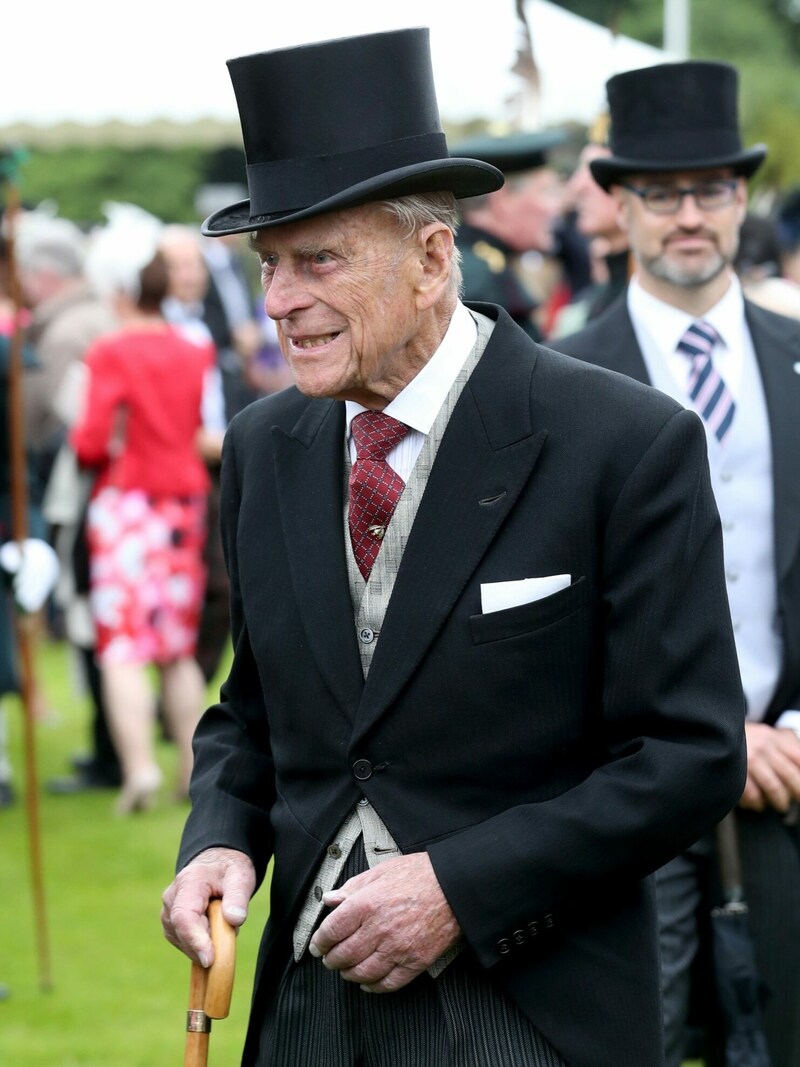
(741, 473)
(418, 404)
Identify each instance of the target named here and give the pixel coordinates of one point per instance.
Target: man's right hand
(217, 873)
(773, 767)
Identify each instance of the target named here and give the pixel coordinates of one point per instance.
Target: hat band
(694, 145)
(292, 184)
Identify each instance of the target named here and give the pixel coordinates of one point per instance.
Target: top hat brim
(463, 177)
(608, 170)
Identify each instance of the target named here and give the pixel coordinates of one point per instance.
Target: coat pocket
(525, 618)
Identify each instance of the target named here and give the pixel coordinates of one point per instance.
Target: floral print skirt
(147, 574)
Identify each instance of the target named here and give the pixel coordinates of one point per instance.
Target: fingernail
(366, 989)
(315, 952)
(236, 913)
(203, 959)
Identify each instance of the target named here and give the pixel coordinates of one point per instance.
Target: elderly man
(484, 678)
(678, 174)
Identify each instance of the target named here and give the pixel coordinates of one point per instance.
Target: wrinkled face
(596, 210)
(691, 247)
(341, 289)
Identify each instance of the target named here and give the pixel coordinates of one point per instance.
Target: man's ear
(615, 191)
(435, 248)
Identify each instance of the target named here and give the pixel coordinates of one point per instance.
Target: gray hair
(51, 244)
(414, 212)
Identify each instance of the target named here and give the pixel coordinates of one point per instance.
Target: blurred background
(133, 106)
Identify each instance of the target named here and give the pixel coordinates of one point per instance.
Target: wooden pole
(24, 623)
(210, 990)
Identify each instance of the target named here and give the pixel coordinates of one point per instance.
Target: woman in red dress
(146, 522)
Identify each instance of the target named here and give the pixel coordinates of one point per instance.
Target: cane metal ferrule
(197, 1022)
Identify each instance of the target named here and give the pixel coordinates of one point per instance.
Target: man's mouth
(316, 341)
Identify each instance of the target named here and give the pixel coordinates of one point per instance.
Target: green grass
(119, 991)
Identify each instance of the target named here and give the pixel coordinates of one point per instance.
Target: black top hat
(338, 123)
(675, 116)
(514, 152)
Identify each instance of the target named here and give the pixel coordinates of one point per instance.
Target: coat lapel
(485, 458)
(777, 345)
(309, 476)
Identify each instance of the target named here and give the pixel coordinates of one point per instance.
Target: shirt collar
(669, 323)
(418, 404)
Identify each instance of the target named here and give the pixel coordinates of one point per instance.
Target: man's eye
(321, 257)
(660, 196)
(269, 262)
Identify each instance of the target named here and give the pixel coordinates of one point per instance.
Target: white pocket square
(495, 596)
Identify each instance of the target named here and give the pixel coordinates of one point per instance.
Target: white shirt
(750, 574)
(660, 326)
(418, 404)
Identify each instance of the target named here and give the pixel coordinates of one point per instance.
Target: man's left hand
(388, 925)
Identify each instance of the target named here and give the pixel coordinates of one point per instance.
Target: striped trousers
(456, 1020)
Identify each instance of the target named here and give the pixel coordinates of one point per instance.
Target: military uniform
(486, 264)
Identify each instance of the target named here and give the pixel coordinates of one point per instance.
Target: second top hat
(339, 123)
(675, 116)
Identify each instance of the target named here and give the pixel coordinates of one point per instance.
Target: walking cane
(24, 625)
(210, 988)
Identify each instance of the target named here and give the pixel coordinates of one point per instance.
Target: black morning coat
(549, 757)
(610, 342)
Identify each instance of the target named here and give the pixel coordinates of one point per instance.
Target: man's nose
(689, 213)
(284, 293)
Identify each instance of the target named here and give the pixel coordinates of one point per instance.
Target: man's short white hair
(48, 243)
(414, 212)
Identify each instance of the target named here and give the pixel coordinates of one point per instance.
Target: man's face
(186, 269)
(527, 209)
(691, 247)
(341, 289)
(596, 209)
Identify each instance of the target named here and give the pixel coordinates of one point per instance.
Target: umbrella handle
(730, 864)
(210, 989)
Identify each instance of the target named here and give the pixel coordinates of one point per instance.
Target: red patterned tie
(374, 487)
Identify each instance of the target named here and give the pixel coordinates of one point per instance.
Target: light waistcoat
(370, 601)
(741, 476)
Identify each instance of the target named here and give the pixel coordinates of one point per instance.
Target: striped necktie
(709, 394)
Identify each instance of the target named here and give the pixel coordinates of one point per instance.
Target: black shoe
(7, 795)
(81, 783)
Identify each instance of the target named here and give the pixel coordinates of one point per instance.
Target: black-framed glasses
(667, 199)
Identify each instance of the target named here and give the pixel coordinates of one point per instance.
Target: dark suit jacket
(611, 342)
(548, 756)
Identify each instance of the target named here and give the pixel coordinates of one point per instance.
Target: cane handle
(221, 971)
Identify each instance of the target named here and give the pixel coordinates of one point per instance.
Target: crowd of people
(135, 360)
(552, 814)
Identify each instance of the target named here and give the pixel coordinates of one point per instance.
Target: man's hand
(220, 873)
(389, 925)
(773, 767)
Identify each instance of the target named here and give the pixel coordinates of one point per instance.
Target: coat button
(366, 636)
(362, 769)
(504, 946)
(334, 851)
(317, 892)
(519, 937)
